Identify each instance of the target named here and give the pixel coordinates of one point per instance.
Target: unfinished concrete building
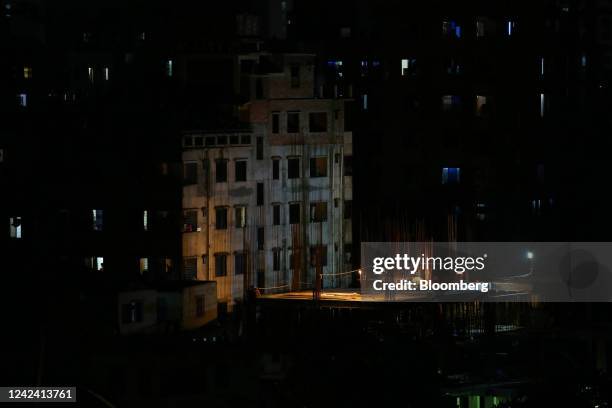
(268, 203)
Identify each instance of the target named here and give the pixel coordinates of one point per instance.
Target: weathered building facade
(269, 204)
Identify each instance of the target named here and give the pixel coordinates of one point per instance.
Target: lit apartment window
(106, 73)
(294, 213)
(22, 99)
(144, 265)
(481, 103)
(275, 122)
(451, 175)
(293, 167)
(260, 238)
(241, 170)
(293, 122)
(27, 72)
(275, 169)
(90, 74)
(239, 263)
(199, 303)
(509, 28)
(190, 173)
(96, 263)
(97, 219)
(276, 214)
(318, 255)
(240, 215)
(169, 68)
(221, 218)
(145, 220)
(221, 171)
(317, 122)
(450, 102)
(190, 220)
(364, 101)
(276, 259)
(318, 212)
(583, 60)
(450, 28)
(15, 227)
(220, 265)
(318, 167)
(480, 29)
(542, 105)
(408, 66)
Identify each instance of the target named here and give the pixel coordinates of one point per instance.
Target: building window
(318, 167)
(15, 227)
(276, 259)
(90, 74)
(240, 213)
(190, 221)
(295, 77)
(169, 68)
(276, 214)
(318, 212)
(27, 72)
(221, 171)
(318, 255)
(450, 102)
(275, 122)
(275, 169)
(97, 263)
(239, 263)
(542, 105)
(293, 167)
(259, 148)
(220, 265)
(451, 175)
(451, 29)
(221, 218)
(293, 122)
(241, 170)
(245, 139)
(22, 100)
(131, 312)
(258, 89)
(408, 66)
(190, 268)
(294, 258)
(260, 194)
(317, 122)
(348, 209)
(144, 265)
(348, 165)
(145, 220)
(481, 105)
(480, 29)
(260, 238)
(509, 28)
(106, 73)
(199, 305)
(294, 213)
(542, 66)
(190, 173)
(97, 219)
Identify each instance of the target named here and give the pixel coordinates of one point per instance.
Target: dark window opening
(293, 168)
(190, 173)
(318, 212)
(241, 170)
(317, 122)
(348, 165)
(275, 169)
(220, 264)
(221, 171)
(318, 167)
(294, 213)
(221, 218)
(259, 148)
(260, 238)
(260, 194)
(293, 122)
(275, 122)
(276, 214)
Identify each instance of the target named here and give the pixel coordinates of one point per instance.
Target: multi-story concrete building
(268, 204)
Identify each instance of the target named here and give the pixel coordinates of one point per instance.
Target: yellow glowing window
(27, 72)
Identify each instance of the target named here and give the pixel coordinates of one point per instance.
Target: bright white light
(99, 263)
(529, 255)
(542, 105)
(106, 73)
